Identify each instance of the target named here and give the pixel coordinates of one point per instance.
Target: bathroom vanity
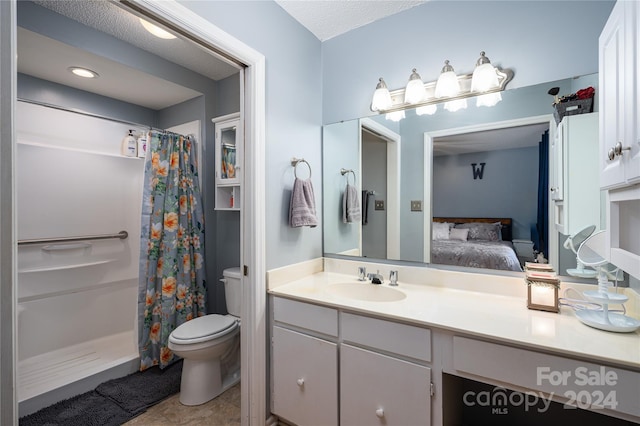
(347, 352)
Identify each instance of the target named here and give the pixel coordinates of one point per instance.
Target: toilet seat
(201, 329)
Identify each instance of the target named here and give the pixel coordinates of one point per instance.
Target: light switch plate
(416, 205)
(379, 205)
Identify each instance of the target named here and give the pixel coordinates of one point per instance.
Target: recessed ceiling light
(156, 31)
(83, 72)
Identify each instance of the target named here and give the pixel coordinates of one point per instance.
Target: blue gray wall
(508, 188)
(293, 113)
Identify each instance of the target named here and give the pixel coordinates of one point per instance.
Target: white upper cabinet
(576, 189)
(620, 93)
(229, 160)
(620, 134)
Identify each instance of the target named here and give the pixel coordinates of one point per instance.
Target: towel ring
(344, 171)
(295, 162)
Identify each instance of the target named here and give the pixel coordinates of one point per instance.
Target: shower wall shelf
(229, 161)
(64, 267)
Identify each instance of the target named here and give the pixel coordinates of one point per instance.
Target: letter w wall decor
(477, 171)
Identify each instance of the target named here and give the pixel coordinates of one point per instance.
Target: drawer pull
(380, 412)
(300, 382)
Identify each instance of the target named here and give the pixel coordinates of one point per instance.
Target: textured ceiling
(329, 18)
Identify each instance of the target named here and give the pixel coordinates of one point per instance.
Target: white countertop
(490, 315)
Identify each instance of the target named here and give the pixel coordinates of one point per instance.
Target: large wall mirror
(474, 174)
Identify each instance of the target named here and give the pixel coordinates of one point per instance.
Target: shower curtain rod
(89, 114)
(122, 235)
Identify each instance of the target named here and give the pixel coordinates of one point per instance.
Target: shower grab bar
(121, 235)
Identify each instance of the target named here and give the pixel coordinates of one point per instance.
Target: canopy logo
(499, 400)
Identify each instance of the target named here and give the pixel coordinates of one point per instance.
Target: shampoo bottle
(142, 145)
(129, 145)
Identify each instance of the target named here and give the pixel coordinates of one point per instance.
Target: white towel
(302, 209)
(350, 205)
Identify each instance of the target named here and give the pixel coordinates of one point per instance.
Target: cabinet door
(612, 97)
(228, 151)
(379, 390)
(632, 167)
(304, 378)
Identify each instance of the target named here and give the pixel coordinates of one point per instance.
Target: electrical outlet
(379, 205)
(416, 205)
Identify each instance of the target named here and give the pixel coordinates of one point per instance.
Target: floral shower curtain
(172, 277)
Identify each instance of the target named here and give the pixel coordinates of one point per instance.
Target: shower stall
(77, 269)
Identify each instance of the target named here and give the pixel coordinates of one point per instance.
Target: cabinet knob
(611, 154)
(380, 412)
(618, 149)
(300, 382)
(552, 189)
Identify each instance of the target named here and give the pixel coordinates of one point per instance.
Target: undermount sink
(366, 292)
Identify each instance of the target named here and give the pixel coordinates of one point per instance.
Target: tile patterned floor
(221, 411)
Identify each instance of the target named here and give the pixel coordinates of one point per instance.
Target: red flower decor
(586, 93)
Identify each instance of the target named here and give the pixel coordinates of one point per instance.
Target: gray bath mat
(138, 391)
(88, 409)
(111, 403)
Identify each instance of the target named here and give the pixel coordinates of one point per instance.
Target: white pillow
(440, 231)
(459, 234)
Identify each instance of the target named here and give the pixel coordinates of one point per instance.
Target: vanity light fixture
(395, 115)
(484, 79)
(83, 72)
(415, 91)
(450, 89)
(381, 97)
(447, 85)
(156, 31)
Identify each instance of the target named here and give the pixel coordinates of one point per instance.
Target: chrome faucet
(362, 273)
(393, 278)
(376, 278)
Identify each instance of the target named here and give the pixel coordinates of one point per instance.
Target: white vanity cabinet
(380, 377)
(620, 93)
(228, 160)
(620, 133)
(304, 363)
(383, 379)
(576, 189)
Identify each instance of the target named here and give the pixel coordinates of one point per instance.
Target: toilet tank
(232, 289)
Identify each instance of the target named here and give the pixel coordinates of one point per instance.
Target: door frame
(428, 175)
(252, 84)
(393, 182)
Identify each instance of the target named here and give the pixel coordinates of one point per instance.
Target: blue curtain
(541, 240)
(172, 288)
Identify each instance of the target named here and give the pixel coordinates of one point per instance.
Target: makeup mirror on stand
(591, 253)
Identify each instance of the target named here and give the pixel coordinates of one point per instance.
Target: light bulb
(447, 84)
(415, 91)
(381, 97)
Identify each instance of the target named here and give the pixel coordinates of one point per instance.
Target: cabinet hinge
(245, 270)
(432, 389)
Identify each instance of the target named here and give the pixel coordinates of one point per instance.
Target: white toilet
(210, 347)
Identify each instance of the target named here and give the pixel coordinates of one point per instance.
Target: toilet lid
(206, 326)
